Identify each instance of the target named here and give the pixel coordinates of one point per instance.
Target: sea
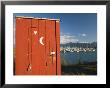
(75, 57)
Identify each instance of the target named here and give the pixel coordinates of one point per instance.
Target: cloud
(67, 38)
(83, 35)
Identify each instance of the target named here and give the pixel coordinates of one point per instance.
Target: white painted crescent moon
(41, 40)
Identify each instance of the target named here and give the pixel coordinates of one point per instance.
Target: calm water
(74, 57)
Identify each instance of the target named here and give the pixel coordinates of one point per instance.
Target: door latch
(52, 53)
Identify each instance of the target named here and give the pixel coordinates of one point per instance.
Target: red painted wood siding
(36, 39)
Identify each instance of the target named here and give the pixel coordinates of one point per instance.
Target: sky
(74, 27)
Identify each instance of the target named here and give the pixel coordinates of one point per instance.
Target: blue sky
(74, 27)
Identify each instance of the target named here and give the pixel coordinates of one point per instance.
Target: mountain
(83, 45)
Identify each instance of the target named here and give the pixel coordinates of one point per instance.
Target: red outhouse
(37, 46)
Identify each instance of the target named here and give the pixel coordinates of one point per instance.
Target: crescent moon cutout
(41, 40)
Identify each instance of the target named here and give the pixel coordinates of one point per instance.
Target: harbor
(76, 49)
(78, 59)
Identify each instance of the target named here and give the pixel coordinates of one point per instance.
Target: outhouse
(37, 46)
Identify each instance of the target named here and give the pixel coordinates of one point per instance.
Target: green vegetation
(82, 68)
(64, 62)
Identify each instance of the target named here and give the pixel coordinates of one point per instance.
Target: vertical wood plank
(58, 47)
(21, 45)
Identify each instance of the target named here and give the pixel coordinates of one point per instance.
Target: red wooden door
(37, 49)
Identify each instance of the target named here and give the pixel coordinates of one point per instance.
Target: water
(74, 57)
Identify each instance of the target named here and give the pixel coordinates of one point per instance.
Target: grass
(89, 68)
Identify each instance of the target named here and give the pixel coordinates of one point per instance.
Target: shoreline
(89, 68)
